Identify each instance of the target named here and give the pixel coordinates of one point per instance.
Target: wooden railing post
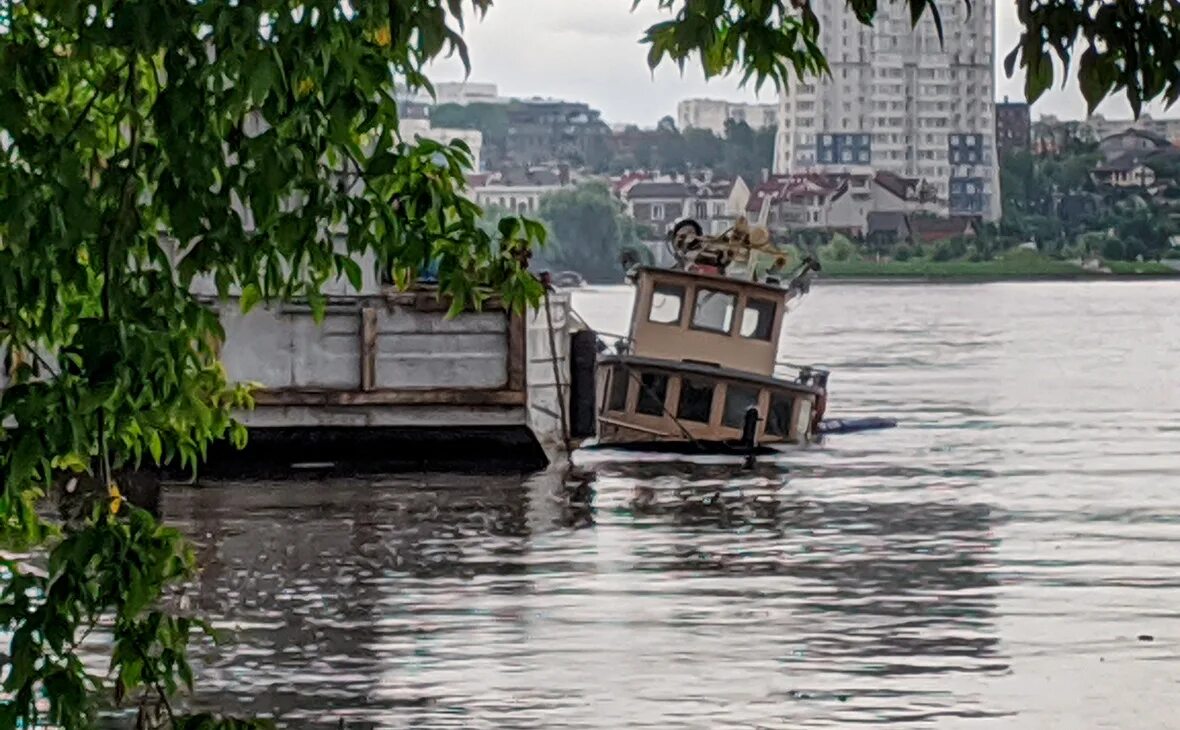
(368, 335)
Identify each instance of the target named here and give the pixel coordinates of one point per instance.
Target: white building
(712, 114)
(900, 100)
(463, 92)
(518, 190)
(453, 92)
(422, 128)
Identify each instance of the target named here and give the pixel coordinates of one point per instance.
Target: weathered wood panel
(427, 350)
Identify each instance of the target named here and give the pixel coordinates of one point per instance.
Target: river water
(1008, 557)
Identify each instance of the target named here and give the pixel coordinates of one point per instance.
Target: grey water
(1008, 557)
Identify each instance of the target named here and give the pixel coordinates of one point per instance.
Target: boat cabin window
(619, 382)
(713, 310)
(757, 319)
(778, 416)
(653, 389)
(737, 399)
(696, 401)
(667, 301)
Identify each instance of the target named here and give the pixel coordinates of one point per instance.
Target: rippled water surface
(1008, 557)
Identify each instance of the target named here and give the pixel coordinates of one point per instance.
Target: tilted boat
(699, 366)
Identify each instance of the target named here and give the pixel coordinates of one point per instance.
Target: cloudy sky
(588, 50)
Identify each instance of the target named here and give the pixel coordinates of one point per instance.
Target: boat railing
(804, 374)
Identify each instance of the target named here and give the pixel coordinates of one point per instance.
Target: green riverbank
(1011, 267)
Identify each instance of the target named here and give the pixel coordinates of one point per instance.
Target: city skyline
(590, 51)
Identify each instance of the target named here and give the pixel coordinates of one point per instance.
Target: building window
(696, 401)
(713, 310)
(657, 211)
(757, 319)
(652, 390)
(667, 301)
(737, 400)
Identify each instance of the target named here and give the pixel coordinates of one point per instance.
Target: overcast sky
(589, 50)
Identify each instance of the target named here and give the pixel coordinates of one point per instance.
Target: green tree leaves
(588, 231)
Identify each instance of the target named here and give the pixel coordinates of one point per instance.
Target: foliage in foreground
(145, 144)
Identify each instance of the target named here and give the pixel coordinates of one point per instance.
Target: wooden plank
(387, 397)
(632, 427)
(368, 358)
(517, 362)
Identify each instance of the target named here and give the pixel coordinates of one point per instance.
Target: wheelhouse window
(619, 382)
(667, 301)
(738, 399)
(696, 401)
(713, 310)
(652, 391)
(778, 416)
(758, 319)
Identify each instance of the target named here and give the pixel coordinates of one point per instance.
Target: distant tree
(1145, 231)
(839, 248)
(588, 232)
(747, 151)
(703, 149)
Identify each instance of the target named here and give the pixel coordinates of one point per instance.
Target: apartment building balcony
(931, 59)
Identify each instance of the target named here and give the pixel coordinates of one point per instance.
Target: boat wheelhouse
(701, 352)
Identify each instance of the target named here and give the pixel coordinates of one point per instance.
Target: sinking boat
(698, 368)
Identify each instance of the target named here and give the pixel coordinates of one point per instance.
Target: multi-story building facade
(712, 114)
(1052, 135)
(544, 131)
(1013, 127)
(900, 100)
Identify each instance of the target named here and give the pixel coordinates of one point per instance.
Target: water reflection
(403, 604)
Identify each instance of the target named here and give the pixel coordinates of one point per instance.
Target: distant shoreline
(822, 278)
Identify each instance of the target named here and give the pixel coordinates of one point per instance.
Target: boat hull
(663, 403)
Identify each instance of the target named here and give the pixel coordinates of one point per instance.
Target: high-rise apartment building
(900, 100)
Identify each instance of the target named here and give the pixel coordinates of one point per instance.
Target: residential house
(930, 229)
(717, 204)
(659, 204)
(808, 201)
(518, 190)
(1131, 141)
(887, 228)
(1129, 170)
(838, 202)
